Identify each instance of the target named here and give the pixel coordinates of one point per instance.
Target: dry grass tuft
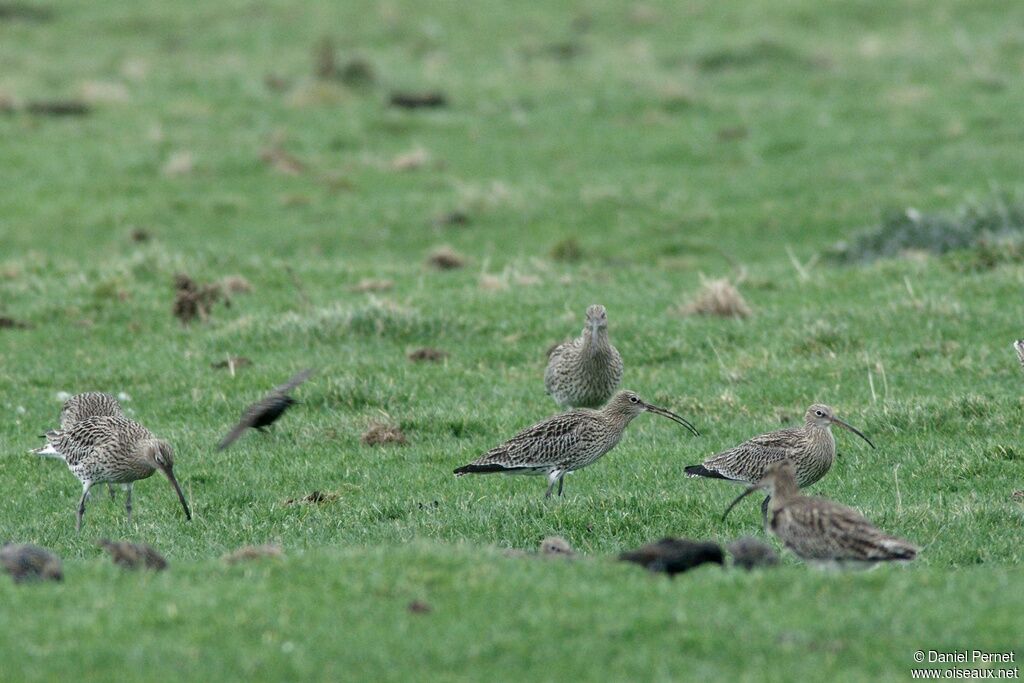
(315, 498)
(719, 298)
(371, 285)
(254, 552)
(381, 434)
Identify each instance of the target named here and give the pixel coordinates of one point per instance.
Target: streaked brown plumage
(79, 407)
(267, 410)
(115, 450)
(585, 372)
(133, 555)
(566, 442)
(811, 448)
(25, 562)
(820, 531)
(556, 546)
(674, 555)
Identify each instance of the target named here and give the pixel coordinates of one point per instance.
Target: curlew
(585, 372)
(26, 562)
(76, 409)
(750, 553)
(820, 531)
(114, 450)
(674, 555)
(130, 555)
(267, 410)
(811, 448)
(566, 442)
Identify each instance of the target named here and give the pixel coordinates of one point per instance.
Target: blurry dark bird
(133, 555)
(750, 553)
(26, 562)
(556, 546)
(267, 410)
(674, 555)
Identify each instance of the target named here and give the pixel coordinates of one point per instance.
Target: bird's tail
(701, 471)
(47, 451)
(897, 549)
(488, 468)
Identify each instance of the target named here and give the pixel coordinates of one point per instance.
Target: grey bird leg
(81, 506)
(764, 512)
(110, 490)
(553, 476)
(128, 502)
(561, 480)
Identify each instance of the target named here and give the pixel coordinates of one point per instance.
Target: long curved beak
(177, 489)
(740, 497)
(844, 425)
(672, 416)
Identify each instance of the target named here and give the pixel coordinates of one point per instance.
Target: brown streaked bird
(811, 448)
(820, 531)
(674, 555)
(267, 410)
(133, 555)
(566, 442)
(114, 450)
(79, 407)
(25, 562)
(585, 372)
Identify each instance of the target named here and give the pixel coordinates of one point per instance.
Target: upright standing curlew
(820, 531)
(810, 448)
(585, 372)
(265, 412)
(566, 442)
(114, 450)
(79, 407)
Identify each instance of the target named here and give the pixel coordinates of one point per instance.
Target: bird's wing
(837, 532)
(93, 434)
(293, 382)
(747, 461)
(248, 418)
(544, 443)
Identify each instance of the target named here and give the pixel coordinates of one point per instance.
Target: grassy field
(655, 144)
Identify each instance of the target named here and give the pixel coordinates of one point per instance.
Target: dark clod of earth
(380, 434)
(418, 100)
(315, 498)
(12, 324)
(57, 108)
(193, 300)
(427, 354)
(233, 362)
(418, 607)
(452, 218)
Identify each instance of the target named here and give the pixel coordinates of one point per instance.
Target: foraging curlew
(26, 562)
(585, 372)
(133, 555)
(811, 448)
(820, 531)
(76, 409)
(749, 553)
(674, 555)
(566, 442)
(265, 412)
(116, 450)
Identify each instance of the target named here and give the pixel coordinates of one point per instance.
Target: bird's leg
(764, 512)
(553, 476)
(561, 480)
(81, 505)
(110, 490)
(128, 501)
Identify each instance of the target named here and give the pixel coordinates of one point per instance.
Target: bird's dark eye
(634, 399)
(819, 413)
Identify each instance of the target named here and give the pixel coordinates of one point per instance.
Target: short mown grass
(621, 153)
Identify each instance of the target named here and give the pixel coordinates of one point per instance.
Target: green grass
(674, 142)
